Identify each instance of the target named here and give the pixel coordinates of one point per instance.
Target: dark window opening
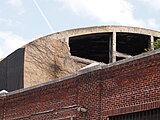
(119, 58)
(132, 44)
(91, 46)
(153, 114)
(156, 38)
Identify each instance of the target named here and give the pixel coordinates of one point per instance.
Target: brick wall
(1, 108)
(52, 101)
(131, 87)
(89, 95)
(120, 88)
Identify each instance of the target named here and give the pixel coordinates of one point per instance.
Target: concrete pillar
(112, 48)
(67, 42)
(151, 42)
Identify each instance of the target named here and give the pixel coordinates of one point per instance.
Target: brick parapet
(51, 98)
(131, 87)
(127, 86)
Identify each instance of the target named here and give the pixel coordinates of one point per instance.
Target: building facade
(64, 53)
(124, 89)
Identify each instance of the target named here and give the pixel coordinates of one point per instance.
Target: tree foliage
(157, 44)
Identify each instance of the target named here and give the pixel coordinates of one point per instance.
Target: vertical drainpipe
(151, 42)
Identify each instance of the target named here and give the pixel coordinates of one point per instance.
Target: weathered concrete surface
(64, 35)
(47, 59)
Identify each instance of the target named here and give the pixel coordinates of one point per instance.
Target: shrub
(157, 44)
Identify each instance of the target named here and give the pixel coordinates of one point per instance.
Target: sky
(22, 21)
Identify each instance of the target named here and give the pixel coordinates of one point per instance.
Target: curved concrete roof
(103, 29)
(64, 35)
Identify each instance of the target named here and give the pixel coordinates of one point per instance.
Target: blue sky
(21, 21)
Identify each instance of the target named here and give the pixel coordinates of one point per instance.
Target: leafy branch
(156, 45)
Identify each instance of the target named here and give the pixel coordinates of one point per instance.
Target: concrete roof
(63, 35)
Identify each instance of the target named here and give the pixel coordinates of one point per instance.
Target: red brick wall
(89, 95)
(1, 108)
(118, 89)
(131, 87)
(43, 103)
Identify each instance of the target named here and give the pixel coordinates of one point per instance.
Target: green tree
(157, 44)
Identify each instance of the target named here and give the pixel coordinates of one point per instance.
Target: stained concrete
(48, 58)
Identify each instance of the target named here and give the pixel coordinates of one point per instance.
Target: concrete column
(151, 42)
(67, 42)
(112, 48)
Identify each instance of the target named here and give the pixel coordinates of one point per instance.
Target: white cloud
(153, 23)
(107, 11)
(9, 42)
(9, 22)
(15, 3)
(154, 4)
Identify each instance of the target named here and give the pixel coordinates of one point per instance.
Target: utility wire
(43, 15)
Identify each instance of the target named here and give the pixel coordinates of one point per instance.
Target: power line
(43, 15)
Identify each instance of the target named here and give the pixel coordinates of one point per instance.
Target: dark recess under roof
(132, 44)
(97, 46)
(92, 46)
